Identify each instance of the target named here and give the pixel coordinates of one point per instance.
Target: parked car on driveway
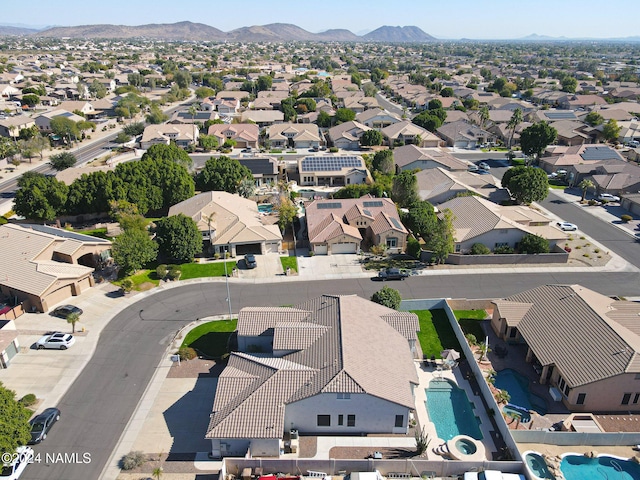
(18, 461)
(608, 197)
(392, 274)
(65, 310)
(567, 227)
(250, 260)
(56, 340)
(41, 424)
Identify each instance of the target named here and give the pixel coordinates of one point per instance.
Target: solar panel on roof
(560, 115)
(329, 163)
(396, 223)
(329, 205)
(375, 203)
(598, 153)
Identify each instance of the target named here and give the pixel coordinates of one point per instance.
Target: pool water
(537, 465)
(450, 411)
(518, 387)
(579, 467)
(265, 207)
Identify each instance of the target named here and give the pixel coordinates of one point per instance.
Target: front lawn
(143, 279)
(291, 262)
(435, 332)
(96, 232)
(211, 339)
(199, 270)
(471, 322)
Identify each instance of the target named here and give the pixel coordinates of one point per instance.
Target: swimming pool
(451, 411)
(579, 467)
(265, 207)
(518, 387)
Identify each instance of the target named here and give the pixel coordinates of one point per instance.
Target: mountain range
(189, 31)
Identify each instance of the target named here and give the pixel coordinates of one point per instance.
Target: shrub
(626, 218)
(592, 202)
(471, 339)
(28, 400)
(333, 150)
(127, 285)
(389, 297)
(132, 460)
(187, 353)
(162, 271)
(503, 249)
(597, 250)
(413, 248)
(480, 249)
(531, 244)
(174, 272)
(578, 247)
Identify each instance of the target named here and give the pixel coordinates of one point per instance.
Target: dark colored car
(41, 424)
(392, 274)
(65, 310)
(250, 260)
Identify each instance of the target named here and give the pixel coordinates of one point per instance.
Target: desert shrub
(127, 285)
(503, 249)
(471, 339)
(187, 353)
(28, 400)
(626, 218)
(333, 150)
(132, 460)
(480, 249)
(592, 202)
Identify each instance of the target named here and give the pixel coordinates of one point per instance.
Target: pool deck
(557, 450)
(425, 375)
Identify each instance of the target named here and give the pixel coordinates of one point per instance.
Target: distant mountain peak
(398, 34)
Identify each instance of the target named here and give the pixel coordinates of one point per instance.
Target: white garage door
(320, 249)
(344, 248)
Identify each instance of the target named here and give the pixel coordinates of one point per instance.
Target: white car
(608, 198)
(472, 168)
(567, 227)
(19, 461)
(492, 475)
(484, 166)
(56, 340)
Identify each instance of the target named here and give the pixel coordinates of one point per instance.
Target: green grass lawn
(557, 187)
(144, 276)
(470, 322)
(211, 338)
(435, 332)
(291, 262)
(96, 232)
(198, 270)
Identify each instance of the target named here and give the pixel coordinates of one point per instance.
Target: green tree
(446, 92)
(286, 213)
(434, 104)
(122, 137)
(40, 197)
(28, 133)
(404, 191)
(441, 240)
(428, 120)
(515, 120)
(531, 244)
(371, 138)
(264, 83)
(585, 185)
(208, 142)
(170, 152)
(611, 130)
(222, 174)
(569, 84)
(14, 421)
(421, 219)
(156, 116)
(387, 296)
(480, 249)
(182, 78)
(133, 249)
(383, 161)
(483, 114)
(31, 100)
(97, 89)
(526, 184)
(65, 128)
(323, 120)
(536, 138)
(204, 92)
(134, 129)
(413, 247)
(594, 119)
(344, 115)
(72, 319)
(62, 161)
(179, 238)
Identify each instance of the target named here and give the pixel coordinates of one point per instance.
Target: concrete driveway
(331, 266)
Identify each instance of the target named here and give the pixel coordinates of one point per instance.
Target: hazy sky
(481, 19)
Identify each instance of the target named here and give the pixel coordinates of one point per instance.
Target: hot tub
(463, 447)
(536, 466)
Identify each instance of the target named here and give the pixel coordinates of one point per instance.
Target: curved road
(103, 398)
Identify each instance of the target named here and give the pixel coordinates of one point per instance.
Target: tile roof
(355, 346)
(408, 154)
(588, 336)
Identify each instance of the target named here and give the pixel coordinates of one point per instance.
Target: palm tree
(585, 185)
(72, 318)
(209, 219)
(157, 473)
(516, 119)
(483, 113)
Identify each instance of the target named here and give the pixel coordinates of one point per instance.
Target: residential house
(554, 322)
(294, 135)
(410, 157)
(43, 121)
(477, 220)
(183, 135)
(348, 225)
(79, 106)
(246, 135)
(230, 223)
(575, 101)
(574, 132)
(10, 126)
(201, 117)
(464, 135)
(551, 115)
(347, 135)
(262, 118)
(337, 365)
(8, 91)
(43, 266)
(616, 178)
(333, 170)
(377, 119)
(578, 160)
(228, 106)
(631, 202)
(407, 133)
(264, 169)
(437, 185)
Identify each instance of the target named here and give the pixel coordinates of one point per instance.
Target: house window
(399, 421)
(392, 242)
(351, 420)
(581, 397)
(340, 419)
(636, 397)
(344, 396)
(324, 420)
(501, 244)
(458, 248)
(625, 398)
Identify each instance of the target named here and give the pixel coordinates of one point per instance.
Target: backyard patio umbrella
(450, 354)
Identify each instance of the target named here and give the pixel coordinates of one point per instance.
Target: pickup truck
(492, 475)
(392, 274)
